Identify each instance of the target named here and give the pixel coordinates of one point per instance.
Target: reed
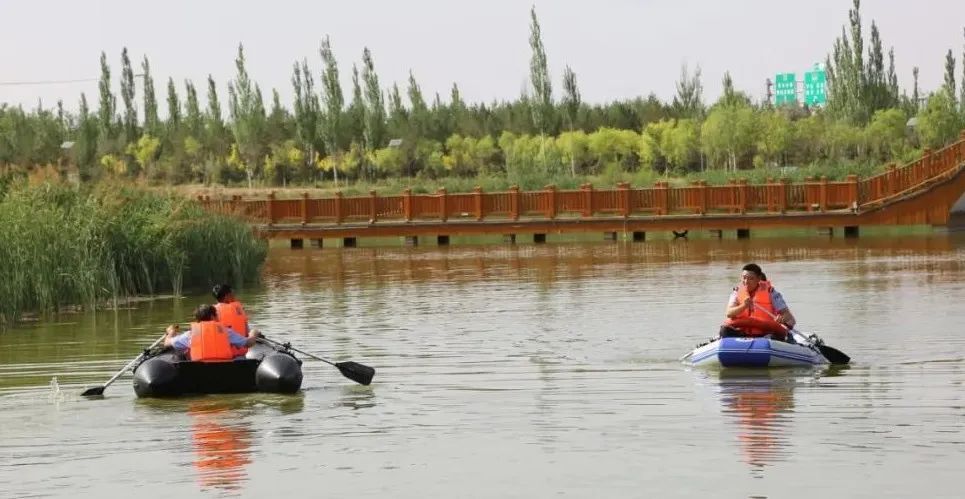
(64, 246)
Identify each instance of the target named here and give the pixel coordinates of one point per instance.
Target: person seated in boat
(755, 308)
(231, 313)
(208, 339)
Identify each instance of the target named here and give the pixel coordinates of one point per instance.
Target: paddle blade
(356, 372)
(93, 391)
(834, 356)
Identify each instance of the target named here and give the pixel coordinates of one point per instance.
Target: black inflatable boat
(166, 373)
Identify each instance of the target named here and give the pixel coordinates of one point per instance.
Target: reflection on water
(759, 405)
(223, 434)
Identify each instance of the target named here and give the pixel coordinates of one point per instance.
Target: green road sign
(785, 88)
(814, 88)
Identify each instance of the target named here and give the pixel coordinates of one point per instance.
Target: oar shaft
(131, 363)
(296, 350)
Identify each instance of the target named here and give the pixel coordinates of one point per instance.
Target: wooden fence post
(443, 204)
(514, 202)
(478, 202)
(662, 197)
(338, 207)
(271, 208)
(373, 206)
(853, 200)
(623, 189)
(823, 194)
(304, 208)
(407, 204)
(551, 208)
(742, 195)
(587, 200)
(782, 196)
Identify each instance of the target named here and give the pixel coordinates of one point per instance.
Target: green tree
(542, 97)
(886, 134)
(150, 99)
(86, 144)
(174, 108)
(949, 86)
(193, 119)
(938, 123)
(106, 114)
(688, 103)
(307, 114)
(127, 95)
(247, 118)
(375, 130)
(333, 101)
(774, 136)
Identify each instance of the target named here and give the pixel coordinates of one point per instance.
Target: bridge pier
(681, 234)
(315, 243)
(717, 232)
(297, 243)
(509, 238)
(639, 236)
(851, 231)
(442, 240)
(539, 238)
(743, 233)
(828, 231)
(411, 240)
(349, 242)
(609, 236)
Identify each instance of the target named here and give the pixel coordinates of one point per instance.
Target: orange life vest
(209, 342)
(757, 322)
(233, 315)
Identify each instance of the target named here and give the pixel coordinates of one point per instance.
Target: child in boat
(208, 340)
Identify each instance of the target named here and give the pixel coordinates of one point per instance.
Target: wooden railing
(737, 197)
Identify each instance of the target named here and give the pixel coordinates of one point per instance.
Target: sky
(619, 49)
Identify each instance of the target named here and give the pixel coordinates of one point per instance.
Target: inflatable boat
(756, 352)
(265, 368)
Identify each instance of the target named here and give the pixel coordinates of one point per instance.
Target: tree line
(377, 132)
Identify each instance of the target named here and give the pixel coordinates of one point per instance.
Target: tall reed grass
(63, 246)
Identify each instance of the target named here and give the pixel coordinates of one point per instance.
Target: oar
(359, 373)
(834, 356)
(99, 390)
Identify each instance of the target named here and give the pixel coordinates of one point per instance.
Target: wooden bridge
(921, 192)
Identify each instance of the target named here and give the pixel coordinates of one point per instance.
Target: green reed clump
(66, 246)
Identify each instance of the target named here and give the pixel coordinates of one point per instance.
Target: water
(518, 372)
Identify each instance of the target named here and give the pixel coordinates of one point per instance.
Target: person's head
(752, 275)
(205, 313)
(222, 293)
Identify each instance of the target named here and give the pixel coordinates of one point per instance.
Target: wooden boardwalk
(921, 192)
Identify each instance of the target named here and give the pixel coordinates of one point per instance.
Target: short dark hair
(755, 268)
(205, 313)
(220, 291)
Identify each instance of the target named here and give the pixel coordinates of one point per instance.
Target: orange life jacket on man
(757, 322)
(209, 342)
(233, 315)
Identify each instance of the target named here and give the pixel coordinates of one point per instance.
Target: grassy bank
(535, 181)
(65, 246)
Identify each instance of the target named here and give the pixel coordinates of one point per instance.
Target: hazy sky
(618, 48)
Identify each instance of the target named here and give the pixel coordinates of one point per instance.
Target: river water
(521, 371)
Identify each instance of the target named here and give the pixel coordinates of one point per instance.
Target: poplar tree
(333, 100)
(374, 104)
(571, 98)
(193, 119)
(307, 112)
(174, 107)
(949, 85)
(127, 95)
(150, 100)
(106, 113)
(542, 96)
(247, 117)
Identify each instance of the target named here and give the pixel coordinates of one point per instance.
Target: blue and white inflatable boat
(756, 352)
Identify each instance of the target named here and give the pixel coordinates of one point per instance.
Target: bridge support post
(829, 231)
(509, 238)
(851, 231)
(298, 243)
(442, 240)
(639, 236)
(717, 232)
(316, 243)
(349, 242)
(411, 240)
(743, 233)
(609, 236)
(539, 238)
